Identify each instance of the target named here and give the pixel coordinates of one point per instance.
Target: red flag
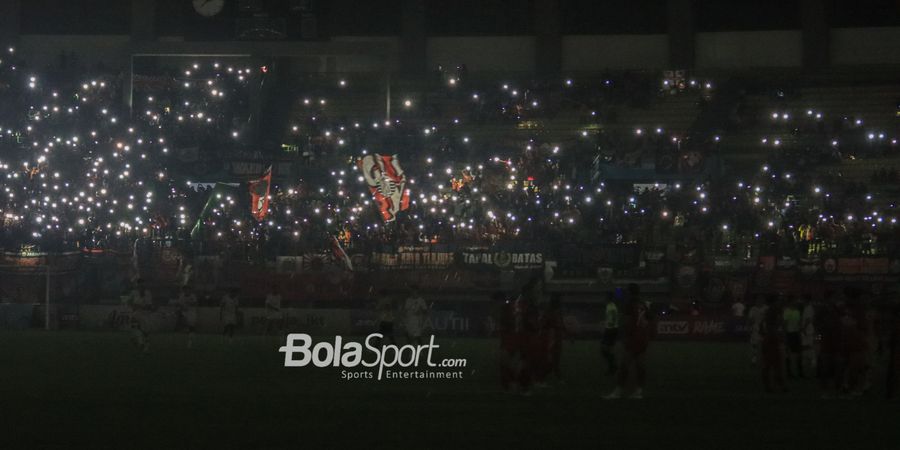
(259, 195)
(387, 183)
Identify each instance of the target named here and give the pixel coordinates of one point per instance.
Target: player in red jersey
(830, 364)
(637, 327)
(773, 347)
(525, 324)
(552, 332)
(893, 369)
(853, 348)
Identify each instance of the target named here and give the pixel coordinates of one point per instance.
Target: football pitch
(95, 391)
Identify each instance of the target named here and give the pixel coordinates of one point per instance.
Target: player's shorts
(794, 342)
(139, 319)
(610, 335)
(826, 366)
(772, 352)
(755, 338)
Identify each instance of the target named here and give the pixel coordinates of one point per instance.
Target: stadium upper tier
(840, 128)
(497, 109)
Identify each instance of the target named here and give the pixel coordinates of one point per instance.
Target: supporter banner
(244, 168)
(310, 262)
(865, 266)
(259, 195)
(387, 183)
(406, 259)
(809, 268)
(28, 258)
(288, 264)
(502, 260)
(360, 261)
(412, 260)
(861, 269)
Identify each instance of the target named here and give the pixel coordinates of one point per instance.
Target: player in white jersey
(274, 314)
(808, 334)
(228, 312)
(415, 312)
(186, 308)
(755, 317)
(141, 303)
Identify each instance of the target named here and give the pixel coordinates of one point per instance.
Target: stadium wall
(489, 54)
(44, 50)
(362, 63)
(595, 53)
(714, 50)
(744, 49)
(865, 46)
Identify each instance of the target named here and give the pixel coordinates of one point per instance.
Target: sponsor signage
(700, 328)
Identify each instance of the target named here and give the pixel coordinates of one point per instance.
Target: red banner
(259, 195)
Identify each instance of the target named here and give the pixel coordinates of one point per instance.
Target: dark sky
(457, 17)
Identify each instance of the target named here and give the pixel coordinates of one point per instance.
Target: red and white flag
(259, 195)
(387, 182)
(339, 254)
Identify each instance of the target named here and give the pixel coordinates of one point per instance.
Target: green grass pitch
(62, 390)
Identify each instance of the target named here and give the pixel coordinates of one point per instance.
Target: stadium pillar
(387, 92)
(680, 19)
(548, 41)
(143, 21)
(10, 14)
(128, 86)
(815, 34)
(143, 15)
(413, 38)
(271, 108)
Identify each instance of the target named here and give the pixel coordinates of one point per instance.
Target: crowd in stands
(485, 164)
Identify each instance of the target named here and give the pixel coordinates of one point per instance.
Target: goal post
(38, 273)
